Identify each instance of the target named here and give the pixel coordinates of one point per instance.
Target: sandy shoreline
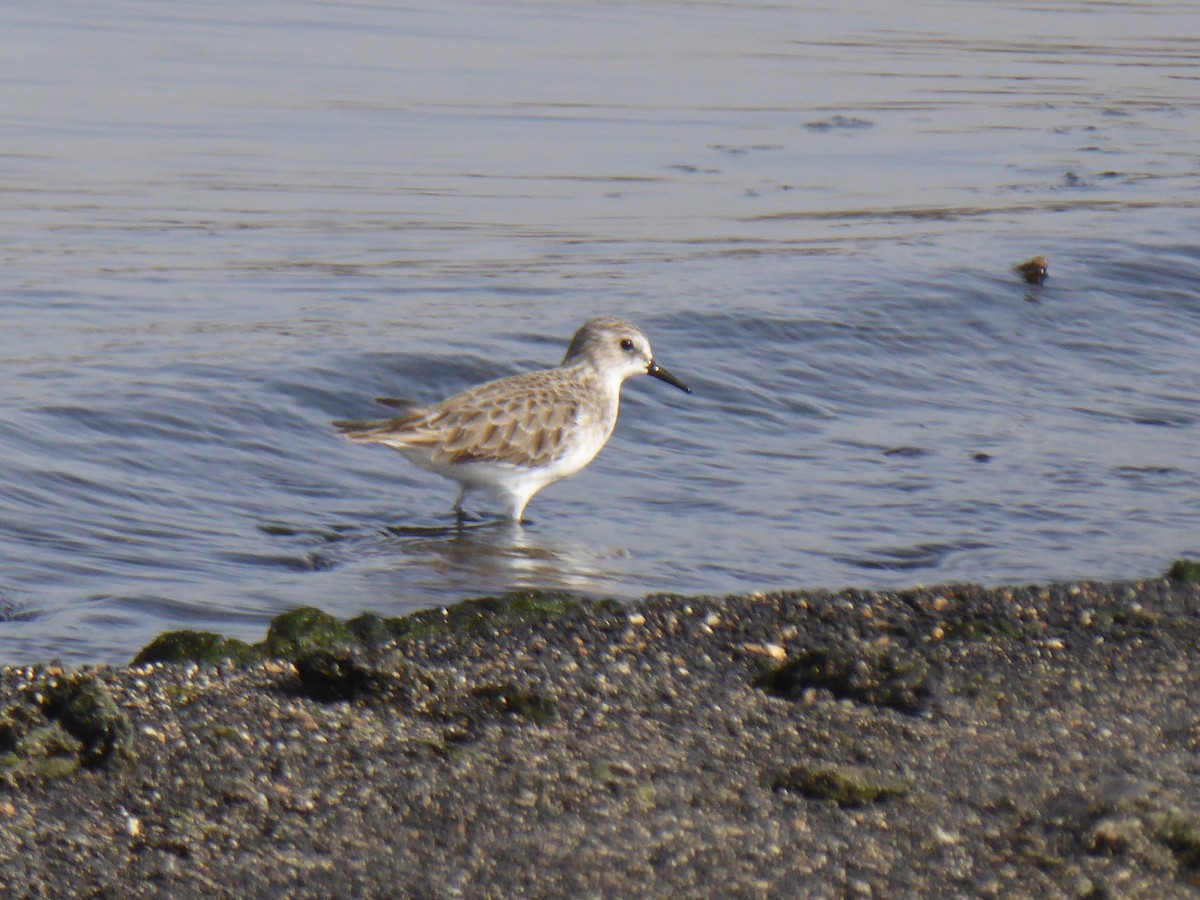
(955, 740)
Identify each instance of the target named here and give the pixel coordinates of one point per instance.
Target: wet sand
(946, 741)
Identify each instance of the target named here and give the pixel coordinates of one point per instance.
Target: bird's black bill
(663, 375)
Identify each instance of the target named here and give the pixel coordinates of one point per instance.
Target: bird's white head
(617, 349)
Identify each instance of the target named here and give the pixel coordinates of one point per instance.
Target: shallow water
(226, 225)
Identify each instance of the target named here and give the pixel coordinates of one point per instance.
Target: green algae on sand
(846, 786)
(295, 634)
(67, 721)
(879, 677)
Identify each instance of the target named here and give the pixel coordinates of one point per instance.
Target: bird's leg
(460, 515)
(517, 510)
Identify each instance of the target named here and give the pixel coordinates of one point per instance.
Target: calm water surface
(227, 224)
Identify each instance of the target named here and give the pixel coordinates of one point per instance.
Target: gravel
(947, 741)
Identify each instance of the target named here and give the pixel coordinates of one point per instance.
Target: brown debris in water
(1035, 270)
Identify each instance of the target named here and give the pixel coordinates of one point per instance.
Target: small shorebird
(514, 436)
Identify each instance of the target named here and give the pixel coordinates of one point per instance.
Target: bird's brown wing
(524, 421)
(527, 420)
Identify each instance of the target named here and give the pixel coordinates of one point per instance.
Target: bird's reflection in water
(499, 555)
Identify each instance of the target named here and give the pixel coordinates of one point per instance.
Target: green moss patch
(844, 785)
(340, 674)
(1184, 570)
(15, 722)
(44, 751)
(83, 707)
(515, 608)
(1182, 837)
(982, 628)
(467, 715)
(69, 721)
(1125, 621)
(301, 632)
(869, 675)
(194, 646)
(510, 700)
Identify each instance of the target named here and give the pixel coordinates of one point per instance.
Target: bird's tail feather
(408, 407)
(369, 431)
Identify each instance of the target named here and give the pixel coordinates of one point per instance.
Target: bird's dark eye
(626, 344)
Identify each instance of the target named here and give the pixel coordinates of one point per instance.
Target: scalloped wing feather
(524, 421)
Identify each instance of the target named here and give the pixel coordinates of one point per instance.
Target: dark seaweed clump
(880, 677)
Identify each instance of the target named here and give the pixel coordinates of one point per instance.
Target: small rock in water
(1034, 271)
